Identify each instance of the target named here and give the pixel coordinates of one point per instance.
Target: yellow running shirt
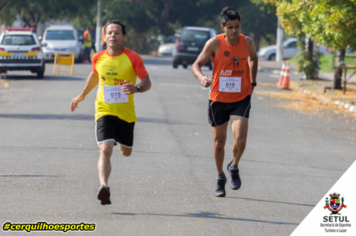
(113, 71)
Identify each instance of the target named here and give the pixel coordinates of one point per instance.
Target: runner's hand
(75, 102)
(129, 88)
(206, 81)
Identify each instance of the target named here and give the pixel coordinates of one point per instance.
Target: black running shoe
(235, 182)
(104, 195)
(220, 188)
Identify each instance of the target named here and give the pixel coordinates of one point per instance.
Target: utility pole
(98, 25)
(280, 32)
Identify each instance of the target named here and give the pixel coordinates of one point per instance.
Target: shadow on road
(208, 215)
(45, 78)
(80, 117)
(47, 117)
(32, 175)
(259, 200)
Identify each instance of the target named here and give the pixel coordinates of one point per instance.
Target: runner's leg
(104, 164)
(239, 126)
(219, 135)
(126, 151)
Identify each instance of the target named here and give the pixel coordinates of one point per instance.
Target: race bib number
(114, 94)
(230, 84)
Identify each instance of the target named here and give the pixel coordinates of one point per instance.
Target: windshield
(289, 44)
(60, 35)
(195, 35)
(18, 40)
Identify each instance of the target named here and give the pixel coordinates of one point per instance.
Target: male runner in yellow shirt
(115, 69)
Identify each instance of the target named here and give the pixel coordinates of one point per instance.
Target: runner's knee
(240, 143)
(219, 143)
(106, 150)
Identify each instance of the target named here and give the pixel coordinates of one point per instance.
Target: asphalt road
(48, 159)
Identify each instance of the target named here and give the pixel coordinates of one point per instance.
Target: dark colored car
(190, 44)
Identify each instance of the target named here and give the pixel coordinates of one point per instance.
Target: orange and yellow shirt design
(114, 71)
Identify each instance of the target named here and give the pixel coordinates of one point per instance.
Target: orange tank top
(231, 72)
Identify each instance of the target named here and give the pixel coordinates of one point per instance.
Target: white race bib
(114, 94)
(230, 84)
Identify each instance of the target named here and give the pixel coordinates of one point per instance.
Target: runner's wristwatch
(138, 88)
(254, 84)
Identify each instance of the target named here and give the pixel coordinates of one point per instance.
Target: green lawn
(326, 62)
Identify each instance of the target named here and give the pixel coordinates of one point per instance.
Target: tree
(31, 12)
(329, 22)
(3, 3)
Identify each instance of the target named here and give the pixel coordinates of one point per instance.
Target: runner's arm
(208, 51)
(92, 81)
(253, 59)
(129, 88)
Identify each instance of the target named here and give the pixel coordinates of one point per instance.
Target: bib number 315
(114, 94)
(230, 84)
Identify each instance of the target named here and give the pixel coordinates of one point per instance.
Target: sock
(221, 176)
(234, 167)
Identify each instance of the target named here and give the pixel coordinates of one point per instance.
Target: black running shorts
(112, 128)
(220, 112)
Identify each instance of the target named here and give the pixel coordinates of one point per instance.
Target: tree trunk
(310, 46)
(338, 72)
(310, 52)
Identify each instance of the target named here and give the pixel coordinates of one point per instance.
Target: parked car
(21, 50)
(189, 45)
(167, 47)
(61, 38)
(289, 50)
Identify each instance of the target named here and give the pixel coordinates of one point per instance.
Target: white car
(60, 38)
(21, 50)
(289, 50)
(167, 47)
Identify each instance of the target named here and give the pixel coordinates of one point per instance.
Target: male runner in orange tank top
(232, 84)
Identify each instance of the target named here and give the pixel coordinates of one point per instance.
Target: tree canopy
(144, 19)
(31, 12)
(329, 22)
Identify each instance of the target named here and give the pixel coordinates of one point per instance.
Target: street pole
(280, 32)
(98, 26)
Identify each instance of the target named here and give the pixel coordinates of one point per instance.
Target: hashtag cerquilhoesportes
(7, 226)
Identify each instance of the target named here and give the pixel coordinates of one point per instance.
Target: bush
(307, 62)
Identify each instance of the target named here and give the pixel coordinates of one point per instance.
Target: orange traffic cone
(281, 77)
(285, 83)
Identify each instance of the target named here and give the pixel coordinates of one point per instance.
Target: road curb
(348, 106)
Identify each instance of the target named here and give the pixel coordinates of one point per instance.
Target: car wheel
(185, 66)
(175, 64)
(41, 72)
(272, 57)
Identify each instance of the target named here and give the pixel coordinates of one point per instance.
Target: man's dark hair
(227, 14)
(115, 22)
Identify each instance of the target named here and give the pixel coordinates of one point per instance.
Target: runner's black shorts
(220, 112)
(112, 128)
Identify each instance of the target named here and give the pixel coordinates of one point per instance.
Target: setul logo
(335, 204)
(226, 72)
